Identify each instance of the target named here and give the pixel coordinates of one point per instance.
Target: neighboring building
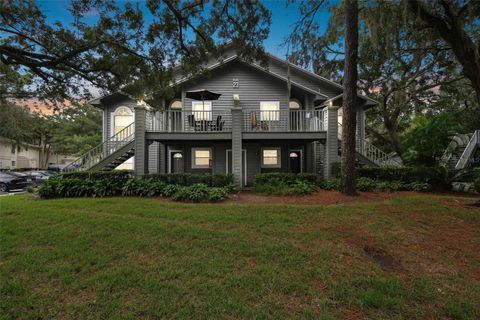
(257, 124)
(26, 156)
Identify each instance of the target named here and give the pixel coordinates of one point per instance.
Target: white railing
(467, 154)
(103, 150)
(195, 121)
(370, 151)
(283, 121)
(374, 154)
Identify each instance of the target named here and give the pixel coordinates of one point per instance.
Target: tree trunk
(350, 98)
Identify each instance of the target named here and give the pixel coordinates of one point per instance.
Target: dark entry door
(295, 161)
(176, 161)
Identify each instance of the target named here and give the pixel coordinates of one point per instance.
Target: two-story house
(259, 119)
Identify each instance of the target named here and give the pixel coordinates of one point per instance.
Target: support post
(237, 158)
(141, 148)
(331, 145)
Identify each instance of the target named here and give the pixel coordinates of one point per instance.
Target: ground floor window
(271, 158)
(201, 158)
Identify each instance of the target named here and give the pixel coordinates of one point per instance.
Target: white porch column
(331, 145)
(141, 149)
(237, 144)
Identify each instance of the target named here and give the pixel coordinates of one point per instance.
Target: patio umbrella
(202, 95)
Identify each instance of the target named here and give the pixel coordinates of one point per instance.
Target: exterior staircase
(460, 151)
(107, 155)
(469, 151)
(370, 155)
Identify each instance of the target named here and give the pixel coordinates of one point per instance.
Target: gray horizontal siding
(254, 86)
(304, 79)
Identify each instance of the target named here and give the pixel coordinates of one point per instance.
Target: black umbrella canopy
(202, 95)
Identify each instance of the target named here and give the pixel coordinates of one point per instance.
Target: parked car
(57, 167)
(37, 177)
(12, 181)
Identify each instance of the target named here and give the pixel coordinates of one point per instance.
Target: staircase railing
(370, 151)
(466, 156)
(103, 150)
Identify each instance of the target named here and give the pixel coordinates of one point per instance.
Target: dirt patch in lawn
(319, 197)
(383, 258)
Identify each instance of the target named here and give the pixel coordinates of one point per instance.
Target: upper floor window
(202, 110)
(122, 118)
(269, 111)
(294, 105)
(176, 104)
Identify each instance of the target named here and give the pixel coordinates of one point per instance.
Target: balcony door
(122, 118)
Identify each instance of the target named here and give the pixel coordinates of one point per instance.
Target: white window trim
(207, 107)
(279, 157)
(276, 114)
(194, 166)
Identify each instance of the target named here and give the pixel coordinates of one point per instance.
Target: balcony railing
(283, 121)
(195, 121)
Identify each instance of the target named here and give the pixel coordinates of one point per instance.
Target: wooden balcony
(283, 121)
(194, 121)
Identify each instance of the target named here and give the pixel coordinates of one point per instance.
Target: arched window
(176, 104)
(294, 104)
(122, 118)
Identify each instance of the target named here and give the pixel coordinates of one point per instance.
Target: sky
(283, 18)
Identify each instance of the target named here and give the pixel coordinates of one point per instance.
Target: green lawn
(131, 258)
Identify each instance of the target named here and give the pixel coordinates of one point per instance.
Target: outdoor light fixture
(177, 156)
(236, 97)
(293, 155)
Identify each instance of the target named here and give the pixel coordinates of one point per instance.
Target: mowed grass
(131, 258)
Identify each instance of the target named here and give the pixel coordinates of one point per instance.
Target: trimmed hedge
(434, 176)
(367, 184)
(122, 175)
(283, 177)
(279, 183)
(187, 179)
(122, 183)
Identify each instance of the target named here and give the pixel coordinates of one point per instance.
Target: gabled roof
(321, 97)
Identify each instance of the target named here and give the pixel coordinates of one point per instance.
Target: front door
(244, 164)
(176, 161)
(295, 157)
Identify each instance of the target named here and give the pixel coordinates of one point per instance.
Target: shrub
(280, 183)
(194, 193)
(116, 183)
(366, 184)
(170, 189)
(301, 187)
(330, 184)
(217, 194)
(122, 175)
(390, 186)
(419, 186)
(430, 175)
(188, 179)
